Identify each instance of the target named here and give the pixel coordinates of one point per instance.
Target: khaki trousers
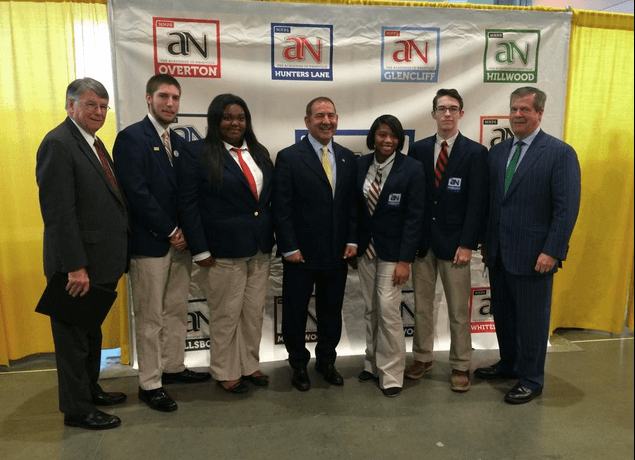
(385, 342)
(236, 289)
(456, 285)
(160, 287)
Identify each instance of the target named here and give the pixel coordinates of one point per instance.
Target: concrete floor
(585, 412)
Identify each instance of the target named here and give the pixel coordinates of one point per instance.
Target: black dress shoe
(365, 376)
(158, 400)
(491, 373)
(185, 376)
(391, 392)
(97, 420)
(521, 394)
(300, 379)
(261, 380)
(330, 373)
(237, 388)
(102, 398)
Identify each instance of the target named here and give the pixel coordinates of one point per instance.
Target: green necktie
(511, 169)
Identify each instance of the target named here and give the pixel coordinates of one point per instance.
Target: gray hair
(79, 86)
(539, 99)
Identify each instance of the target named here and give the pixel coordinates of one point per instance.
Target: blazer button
(256, 213)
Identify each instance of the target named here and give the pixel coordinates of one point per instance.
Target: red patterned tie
(442, 161)
(247, 172)
(101, 152)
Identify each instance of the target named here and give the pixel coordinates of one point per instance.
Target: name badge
(454, 184)
(394, 199)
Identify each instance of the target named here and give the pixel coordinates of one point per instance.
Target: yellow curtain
(40, 59)
(592, 290)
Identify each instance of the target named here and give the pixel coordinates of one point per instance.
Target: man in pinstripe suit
(534, 203)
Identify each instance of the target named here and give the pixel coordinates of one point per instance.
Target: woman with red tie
(225, 183)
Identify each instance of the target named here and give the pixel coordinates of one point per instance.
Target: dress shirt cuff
(173, 232)
(290, 253)
(201, 256)
(352, 244)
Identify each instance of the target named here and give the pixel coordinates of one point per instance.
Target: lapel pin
(156, 149)
(175, 153)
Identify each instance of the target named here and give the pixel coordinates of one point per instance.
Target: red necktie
(442, 161)
(247, 172)
(101, 152)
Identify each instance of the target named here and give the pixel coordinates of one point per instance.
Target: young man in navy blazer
(534, 203)
(456, 205)
(315, 223)
(144, 154)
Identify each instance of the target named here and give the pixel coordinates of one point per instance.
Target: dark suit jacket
(149, 183)
(455, 213)
(395, 226)
(307, 215)
(85, 219)
(226, 220)
(540, 208)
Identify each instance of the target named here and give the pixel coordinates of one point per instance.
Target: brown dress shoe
(460, 381)
(416, 370)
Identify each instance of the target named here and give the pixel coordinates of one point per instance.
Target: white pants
(385, 342)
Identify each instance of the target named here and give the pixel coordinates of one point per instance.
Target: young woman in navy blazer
(390, 198)
(225, 183)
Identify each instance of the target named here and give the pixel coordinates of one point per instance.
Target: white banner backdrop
(370, 60)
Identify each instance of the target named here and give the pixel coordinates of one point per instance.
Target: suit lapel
(92, 158)
(308, 155)
(364, 165)
(456, 157)
(500, 167)
(233, 168)
(158, 149)
(390, 181)
(535, 151)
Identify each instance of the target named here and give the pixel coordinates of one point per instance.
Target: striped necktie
(373, 198)
(442, 161)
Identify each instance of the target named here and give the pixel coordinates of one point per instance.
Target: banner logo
(494, 130)
(481, 318)
(511, 56)
(410, 54)
(187, 47)
(302, 52)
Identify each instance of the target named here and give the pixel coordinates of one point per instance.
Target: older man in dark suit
(86, 238)
(144, 155)
(534, 203)
(315, 221)
(456, 205)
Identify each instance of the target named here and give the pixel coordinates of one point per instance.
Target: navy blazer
(225, 220)
(456, 212)
(307, 215)
(538, 213)
(149, 183)
(395, 226)
(85, 218)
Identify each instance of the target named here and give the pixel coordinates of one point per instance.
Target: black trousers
(297, 286)
(78, 357)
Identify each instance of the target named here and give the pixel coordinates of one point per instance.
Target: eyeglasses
(93, 107)
(441, 109)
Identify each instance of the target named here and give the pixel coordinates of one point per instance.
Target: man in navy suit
(315, 222)
(144, 155)
(85, 238)
(456, 204)
(534, 203)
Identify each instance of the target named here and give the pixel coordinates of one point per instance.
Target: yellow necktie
(326, 164)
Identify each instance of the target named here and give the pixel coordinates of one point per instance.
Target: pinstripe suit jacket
(539, 210)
